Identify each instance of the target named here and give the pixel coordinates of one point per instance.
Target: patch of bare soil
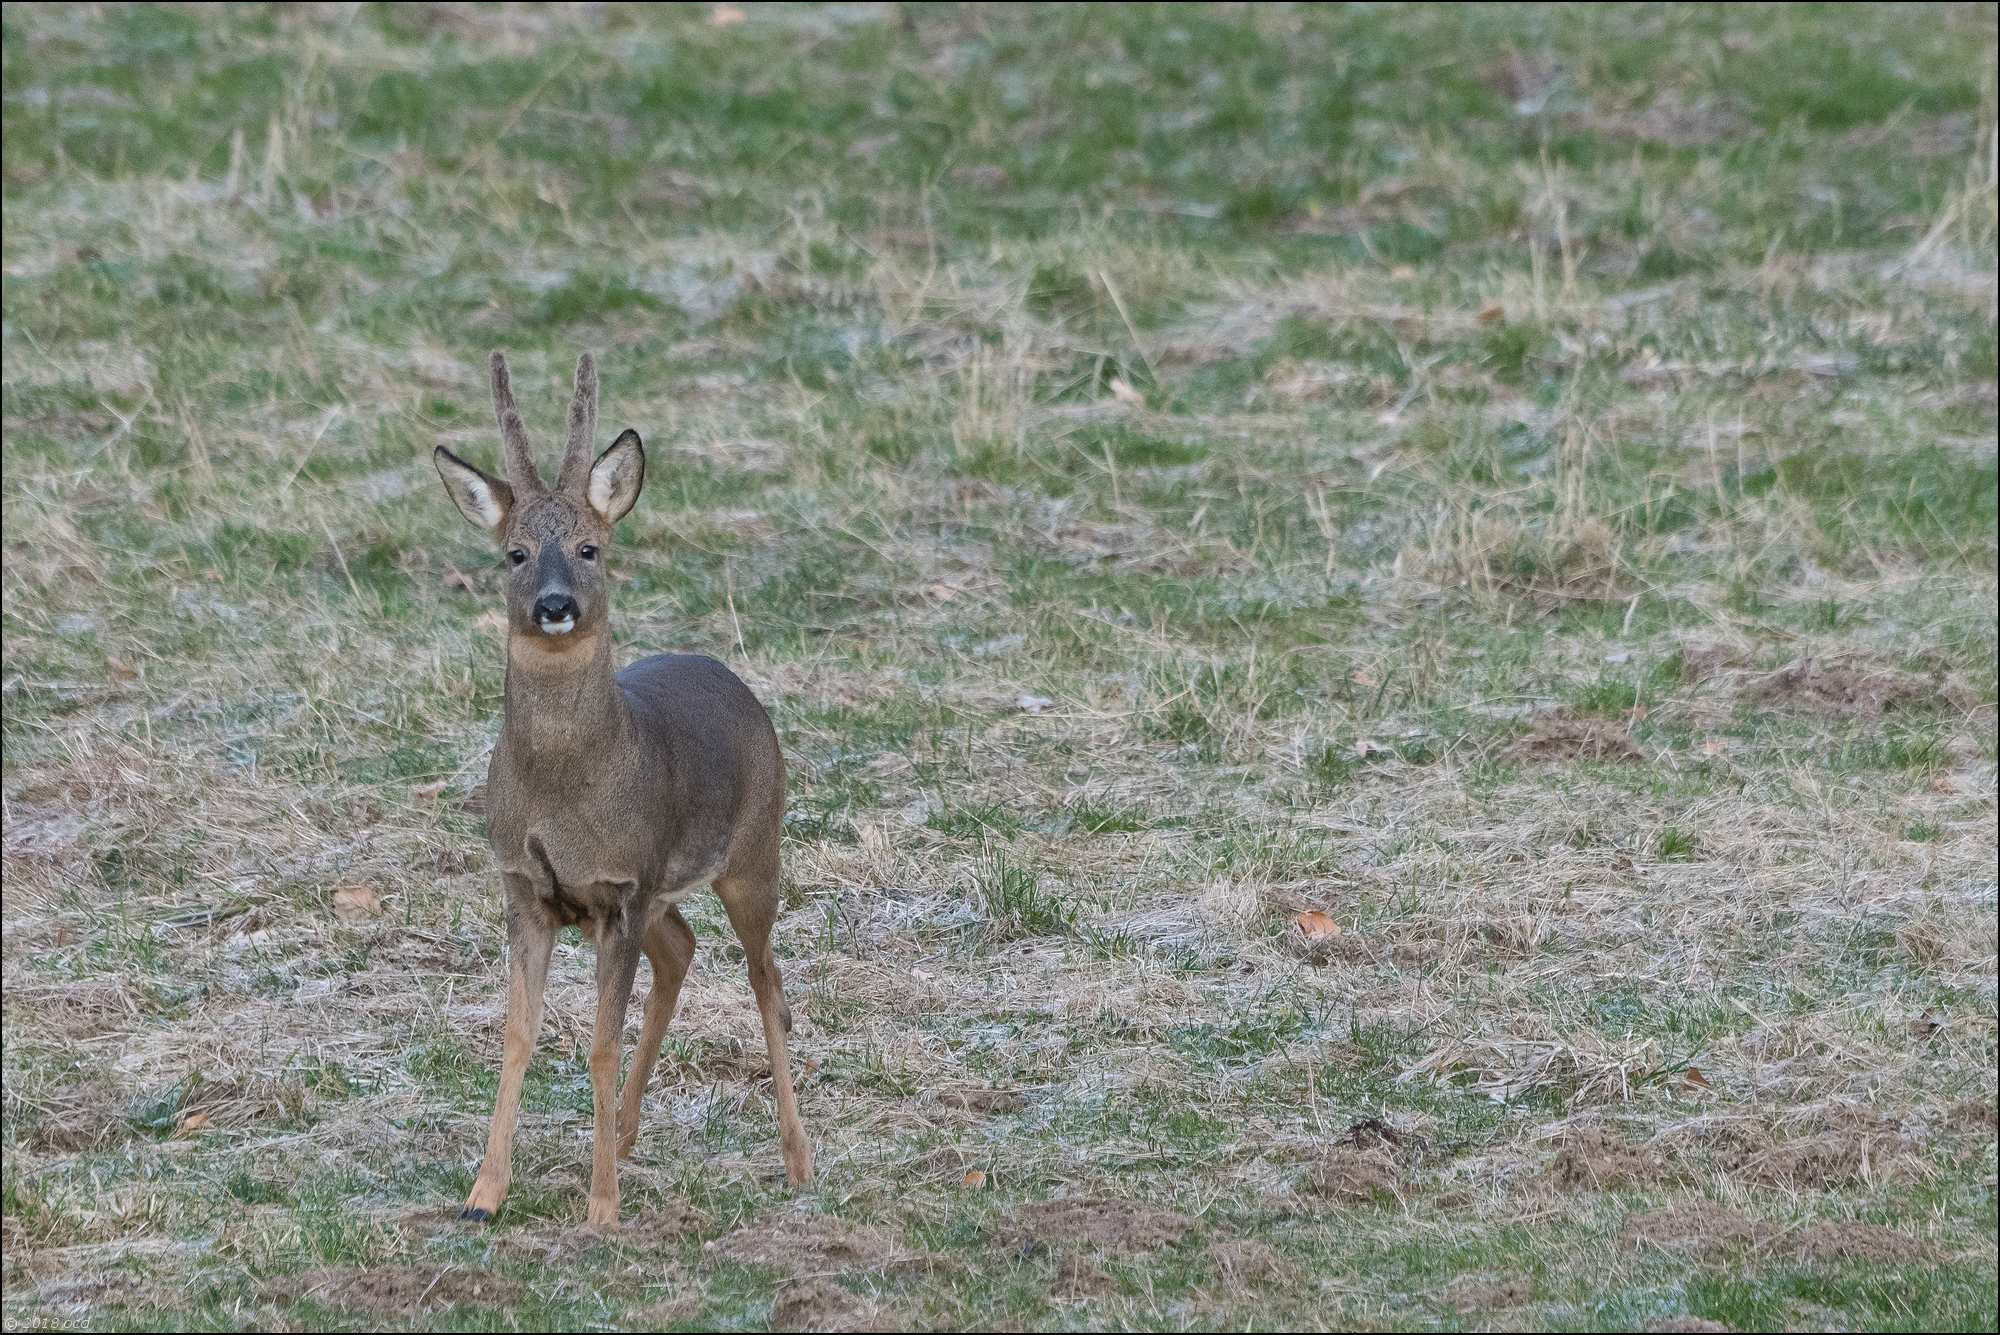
(1352, 1175)
(398, 1289)
(1858, 1146)
(1848, 691)
(1097, 1223)
(1857, 1242)
(670, 1223)
(1484, 1295)
(821, 1304)
(1248, 1264)
(1699, 1230)
(1565, 737)
(805, 1243)
(1592, 1160)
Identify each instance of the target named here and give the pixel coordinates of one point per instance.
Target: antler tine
(520, 454)
(582, 428)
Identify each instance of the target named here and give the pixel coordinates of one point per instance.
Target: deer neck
(562, 704)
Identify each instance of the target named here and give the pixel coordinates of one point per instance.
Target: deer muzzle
(555, 614)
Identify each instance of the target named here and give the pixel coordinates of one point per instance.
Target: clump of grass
(1551, 564)
(1332, 764)
(1016, 901)
(1607, 697)
(977, 820)
(1677, 844)
(1090, 815)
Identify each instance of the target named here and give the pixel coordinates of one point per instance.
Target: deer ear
(484, 500)
(616, 477)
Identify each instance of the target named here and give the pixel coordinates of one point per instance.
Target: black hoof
(475, 1214)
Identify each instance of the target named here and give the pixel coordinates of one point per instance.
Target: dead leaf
(1694, 1079)
(1124, 393)
(192, 1123)
(1636, 712)
(725, 16)
(1403, 271)
(1360, 678)
(1033, 704)
(1941, 783)
(430, 791)
(975, 1178)
(1317, 926)
(1926, 1025)
(1367, 747)
(455, 578)
(355, 903)
(119, 670)
(1492, 314)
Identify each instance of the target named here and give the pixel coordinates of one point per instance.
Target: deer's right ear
(484, 500)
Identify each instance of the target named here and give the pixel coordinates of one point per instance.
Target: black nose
(555, 607)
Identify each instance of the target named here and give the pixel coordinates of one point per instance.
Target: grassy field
(1384, 620)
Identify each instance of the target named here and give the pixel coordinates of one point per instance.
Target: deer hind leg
(752, 902)
(531, 936)
(669, 946)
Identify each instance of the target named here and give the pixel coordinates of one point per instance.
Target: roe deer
(612, 796)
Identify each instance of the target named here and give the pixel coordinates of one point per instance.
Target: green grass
(1517, 481)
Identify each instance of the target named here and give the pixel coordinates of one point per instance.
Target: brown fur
(612, 795)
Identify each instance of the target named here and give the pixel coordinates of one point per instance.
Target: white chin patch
(563, 627)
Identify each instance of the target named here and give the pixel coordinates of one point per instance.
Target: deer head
(555, 539)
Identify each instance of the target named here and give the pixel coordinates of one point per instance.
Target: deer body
(622, 793)
(613, 795)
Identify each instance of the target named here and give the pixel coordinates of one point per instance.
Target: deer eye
(517, 556)
(587, 552)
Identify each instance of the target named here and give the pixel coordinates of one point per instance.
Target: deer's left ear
(617, 476)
